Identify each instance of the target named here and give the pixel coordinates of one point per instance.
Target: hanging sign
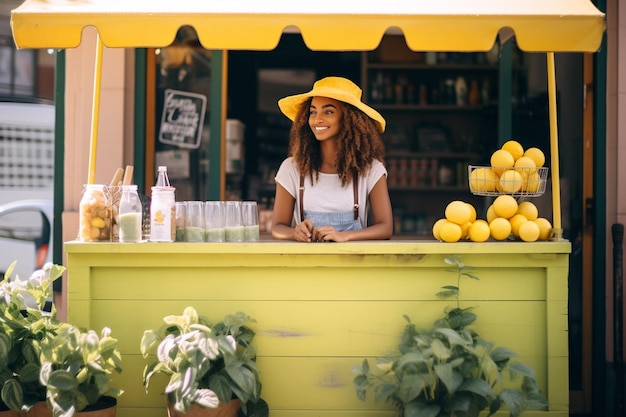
(182, 119)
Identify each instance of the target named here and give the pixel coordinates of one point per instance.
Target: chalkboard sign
(183, 119)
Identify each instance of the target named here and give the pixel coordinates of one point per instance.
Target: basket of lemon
(513, 171)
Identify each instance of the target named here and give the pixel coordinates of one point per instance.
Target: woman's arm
(281, 218)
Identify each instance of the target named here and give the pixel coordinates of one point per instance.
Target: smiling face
(325, 116)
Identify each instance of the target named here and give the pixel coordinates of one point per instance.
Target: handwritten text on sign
(183, 118)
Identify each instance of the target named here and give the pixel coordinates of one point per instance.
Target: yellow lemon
(491, 214)
(526, 165)
(528, 209)
(465, 229)
(473, 212)
(500, 228)
(531, 182)
(545, 228)
(514, 147)
(529, 231)
(511, 181)
(458, 212)
(479, 231)
(450, 232)
(437, 227)
(501, 160)
(516, 221)
(483, 179)
(536, 155)
(505, 206)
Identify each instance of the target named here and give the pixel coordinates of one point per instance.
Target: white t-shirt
(327, 194)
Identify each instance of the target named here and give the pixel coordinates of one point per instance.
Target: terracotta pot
(229, 409)
(105, 407)
(9, 413)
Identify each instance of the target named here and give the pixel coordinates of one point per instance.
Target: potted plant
(449, 369)
(76, 369)
(52, 363)
(208, 365)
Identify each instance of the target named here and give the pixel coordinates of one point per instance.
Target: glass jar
(163, 215)
(94, 214)
(130, 215)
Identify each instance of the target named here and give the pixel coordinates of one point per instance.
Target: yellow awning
(338, 25)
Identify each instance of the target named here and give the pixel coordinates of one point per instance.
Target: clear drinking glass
(234, 222)
(181, 214)
(194, 222)
(214, 217)
(250, 215)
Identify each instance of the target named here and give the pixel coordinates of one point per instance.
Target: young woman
(335, 174)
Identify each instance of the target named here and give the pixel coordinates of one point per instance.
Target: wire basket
(518, 182)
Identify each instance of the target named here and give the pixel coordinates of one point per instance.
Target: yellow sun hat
(338, 88)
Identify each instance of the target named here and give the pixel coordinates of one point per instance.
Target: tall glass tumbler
(250, 214)
(194, 222)
(234, 222)
(214, 218)
(181, 214)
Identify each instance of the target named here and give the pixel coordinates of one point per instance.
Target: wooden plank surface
(320, 314)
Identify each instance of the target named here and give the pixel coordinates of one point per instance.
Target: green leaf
(500, 354)
(206, 398)
(12, 395)
(148, 340)
(365, 368)
(514, 400)
(477, 386)
(9, 271)
(454, 338)
(412, 385)
(30, 372)
(361, 384)
(410, 358)
(440, 350)
(451, 379)
(494, 406)
(447, 294)
(62, 380)
(519, 368)
(243, 377)
(465, 274)
(459, 401)
(536, 401)
(383, 391)
(421, 409)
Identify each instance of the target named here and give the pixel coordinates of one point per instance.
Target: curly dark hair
(359, 143)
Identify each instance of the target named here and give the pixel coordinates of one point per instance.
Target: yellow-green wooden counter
(323, 307)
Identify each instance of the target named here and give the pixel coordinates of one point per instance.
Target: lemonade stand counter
(321, 308)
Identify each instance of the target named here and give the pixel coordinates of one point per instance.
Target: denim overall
(341, 221)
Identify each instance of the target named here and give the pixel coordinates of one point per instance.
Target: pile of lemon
(505, 218)
(512, 170)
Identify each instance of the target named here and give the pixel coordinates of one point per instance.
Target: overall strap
(355, 188)
(301, 197)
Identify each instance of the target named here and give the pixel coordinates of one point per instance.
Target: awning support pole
(557, 229)
(95, 111)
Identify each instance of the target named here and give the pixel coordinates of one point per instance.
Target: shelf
(437, 155)
(427, 107)
(429, 188)
(429, 67)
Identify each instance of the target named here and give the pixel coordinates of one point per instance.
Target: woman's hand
(304, 231)
(328, 234)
